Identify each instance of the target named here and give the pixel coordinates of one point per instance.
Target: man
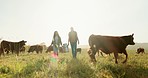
(73, 39)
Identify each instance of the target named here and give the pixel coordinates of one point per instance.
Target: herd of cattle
(106, 44)
(17, 47)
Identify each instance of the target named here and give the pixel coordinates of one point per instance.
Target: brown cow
(50, 48)
(37, 48)
(11, 46)
(109, 44)
(140, 50)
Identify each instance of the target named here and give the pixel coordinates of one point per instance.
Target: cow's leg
(37, 52)
(109, 54)
(3, 52)
(126, 56)
(7, 51)
(93, 54)
(12, 51)
(101, 53)
(116, 56)
(98, 53)
(17, 52)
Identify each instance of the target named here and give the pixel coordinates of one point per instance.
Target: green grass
(42, 66)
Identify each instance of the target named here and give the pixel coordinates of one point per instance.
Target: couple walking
(72, 39)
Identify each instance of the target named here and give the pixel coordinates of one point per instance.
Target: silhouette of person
(56, 41)
(73, 39)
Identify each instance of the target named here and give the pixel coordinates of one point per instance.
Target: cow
(109, 44)
(78, 50)
(11, 46)
(37, 48)
(140, 50)
(50, 48)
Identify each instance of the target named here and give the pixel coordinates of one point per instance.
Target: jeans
(55, 49)
(73, 48)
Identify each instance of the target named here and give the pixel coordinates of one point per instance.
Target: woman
(56, 41)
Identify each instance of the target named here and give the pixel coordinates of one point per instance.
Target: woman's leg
(55, 49)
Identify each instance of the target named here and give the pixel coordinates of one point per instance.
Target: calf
(36, 48)
(49, 49)
(140, 50)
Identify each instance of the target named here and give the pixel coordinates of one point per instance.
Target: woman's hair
(56, 33)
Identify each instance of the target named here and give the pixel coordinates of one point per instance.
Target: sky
(36, 20)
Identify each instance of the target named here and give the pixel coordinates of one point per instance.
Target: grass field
(43, 66)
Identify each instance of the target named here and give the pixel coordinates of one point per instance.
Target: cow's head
(129, 39)
(91, 55)
(22, 42)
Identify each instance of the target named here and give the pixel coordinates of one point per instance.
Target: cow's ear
(133, 34)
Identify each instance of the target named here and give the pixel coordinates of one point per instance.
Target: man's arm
(77, 38)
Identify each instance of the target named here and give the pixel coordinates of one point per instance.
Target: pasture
(43, 66)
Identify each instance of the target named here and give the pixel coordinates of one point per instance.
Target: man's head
(71, 28)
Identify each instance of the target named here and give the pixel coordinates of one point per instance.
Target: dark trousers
(73, 48)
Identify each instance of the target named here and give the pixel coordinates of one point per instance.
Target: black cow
(37, 48)
(109, 44)
(140, 50)
(11, 46)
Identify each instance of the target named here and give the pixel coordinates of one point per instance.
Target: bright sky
(36, 20)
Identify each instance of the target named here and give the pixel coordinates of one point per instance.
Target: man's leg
(72, 48)
(75, 50)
